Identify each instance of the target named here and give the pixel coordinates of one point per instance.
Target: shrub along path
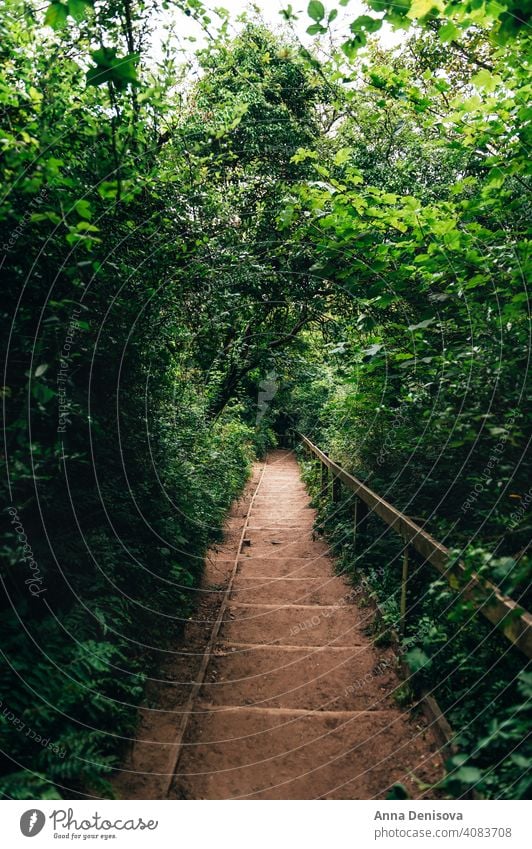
(297, 703)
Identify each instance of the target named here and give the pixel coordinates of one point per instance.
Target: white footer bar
(268, 824)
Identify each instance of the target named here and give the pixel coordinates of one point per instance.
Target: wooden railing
(512, 620)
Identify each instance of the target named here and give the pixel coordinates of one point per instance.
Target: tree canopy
(348, 218)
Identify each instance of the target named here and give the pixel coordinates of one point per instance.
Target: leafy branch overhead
(119, 70)
(344, 223)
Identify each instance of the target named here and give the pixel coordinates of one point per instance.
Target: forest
(209, 249)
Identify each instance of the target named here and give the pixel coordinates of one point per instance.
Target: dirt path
(296, 702)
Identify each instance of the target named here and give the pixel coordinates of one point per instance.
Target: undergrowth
(477, 677)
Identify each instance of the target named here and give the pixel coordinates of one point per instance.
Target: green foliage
(505, 20)
(452, 653)
(418, 385)
(355, 226)
(119, 475)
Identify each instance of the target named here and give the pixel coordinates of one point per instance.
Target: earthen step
(347, 679)
(244, 753)
(321, 590)
(283, 543)
(284, 567)
(294, 624)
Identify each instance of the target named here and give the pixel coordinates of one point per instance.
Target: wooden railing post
(360, 516)
(404, 583)
(324, 481)
(336, 489)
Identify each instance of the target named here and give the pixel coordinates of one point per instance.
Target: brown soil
(296, 701)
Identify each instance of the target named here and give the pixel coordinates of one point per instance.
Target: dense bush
(197, 254)
(119, 475)
(454, 655)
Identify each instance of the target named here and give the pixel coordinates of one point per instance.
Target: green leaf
(417, 659)
(421, 8)
(316, 10)
(422, 324)
(367, 23)
(351, 47)
(42, 393)
(372, 350)
(120, 70)
(467, 775)
(485, 80)
(302, 154)
(46, 216)
(448, 32)
(108, 189)
(316, 29)
(56, 15)
(343, 155)
(77, 9)
(83, 208)
(443, 226)
(98, 76)
(398, 791)
(86, 227)
(456, 761)
(124, 68)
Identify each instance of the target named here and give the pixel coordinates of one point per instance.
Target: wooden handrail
(501, 610)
